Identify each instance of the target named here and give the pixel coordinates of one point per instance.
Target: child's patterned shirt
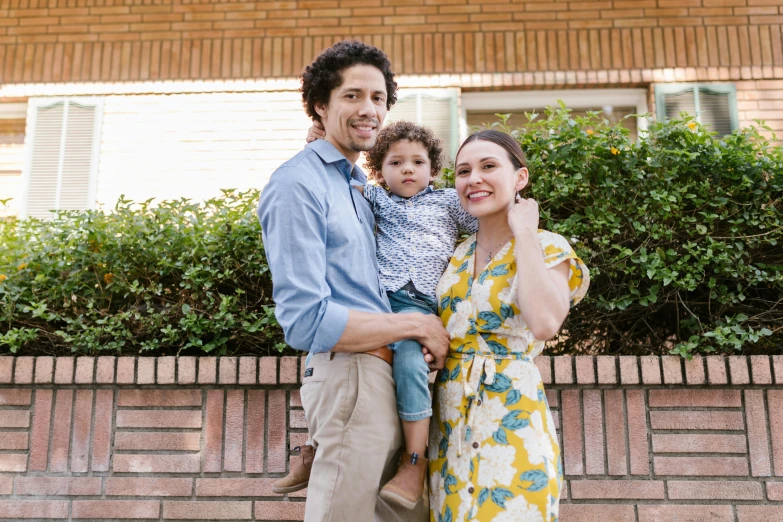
(417, 235)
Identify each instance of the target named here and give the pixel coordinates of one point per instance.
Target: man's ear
(320, 109)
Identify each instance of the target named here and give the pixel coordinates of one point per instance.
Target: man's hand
(434, 340)
(316, 132)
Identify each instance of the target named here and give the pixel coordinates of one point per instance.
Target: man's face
(356, 110)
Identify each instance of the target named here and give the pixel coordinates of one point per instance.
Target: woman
(493, 450)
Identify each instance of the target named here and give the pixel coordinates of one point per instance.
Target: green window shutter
(715, 111)
(61, 164)
(438, 111)
(713, 105)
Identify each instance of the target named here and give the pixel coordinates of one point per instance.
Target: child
(417, 230)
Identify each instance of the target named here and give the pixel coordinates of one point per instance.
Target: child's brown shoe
(407, 486)
(299, 473)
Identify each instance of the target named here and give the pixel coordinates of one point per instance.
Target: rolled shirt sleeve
(294, 230)
(465, 222)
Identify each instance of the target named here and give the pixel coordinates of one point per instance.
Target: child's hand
(316, 132)
(523, 215)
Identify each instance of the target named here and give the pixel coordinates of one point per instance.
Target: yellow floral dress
(494, 455)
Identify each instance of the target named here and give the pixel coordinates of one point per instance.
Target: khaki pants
(352, 418)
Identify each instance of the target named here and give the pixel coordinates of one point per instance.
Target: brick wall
(644, 439)
(121, 40)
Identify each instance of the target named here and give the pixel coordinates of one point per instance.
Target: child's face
(406, 168)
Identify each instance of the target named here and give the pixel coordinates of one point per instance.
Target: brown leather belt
(384, 352)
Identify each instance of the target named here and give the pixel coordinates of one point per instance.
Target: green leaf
(537, 478)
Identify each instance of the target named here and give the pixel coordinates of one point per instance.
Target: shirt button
(478, 402)
(471, 490)
(475, 445)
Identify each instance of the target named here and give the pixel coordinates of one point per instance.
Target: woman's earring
(519, 198)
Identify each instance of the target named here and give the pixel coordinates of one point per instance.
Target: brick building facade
(184, 97)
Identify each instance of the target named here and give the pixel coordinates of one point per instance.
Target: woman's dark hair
(399, 131)
(508, 143)
(325, 74)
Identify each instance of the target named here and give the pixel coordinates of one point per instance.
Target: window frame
(421, 94)
(33, 105)
(662, 89)
(515, 101)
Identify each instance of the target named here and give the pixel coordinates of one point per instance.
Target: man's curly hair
(399, 131)
(325, 74)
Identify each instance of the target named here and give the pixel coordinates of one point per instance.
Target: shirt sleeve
(370, 193)
(294, 226)
(465, 222)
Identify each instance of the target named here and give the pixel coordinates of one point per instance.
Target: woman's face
(486, 180)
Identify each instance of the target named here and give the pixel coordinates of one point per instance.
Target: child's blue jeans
(410, 371)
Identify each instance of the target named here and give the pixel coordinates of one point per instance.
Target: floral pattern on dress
(493, 449)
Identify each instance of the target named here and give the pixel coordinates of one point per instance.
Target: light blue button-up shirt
(319, 243)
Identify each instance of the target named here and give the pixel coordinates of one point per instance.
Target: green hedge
(175, 278)
(681, 231)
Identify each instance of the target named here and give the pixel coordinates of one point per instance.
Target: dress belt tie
(482, 371)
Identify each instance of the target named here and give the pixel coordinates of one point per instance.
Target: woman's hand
(316, 132)
(523, 216)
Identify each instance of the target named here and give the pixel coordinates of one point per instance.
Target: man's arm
(293, 223)
(365, 331)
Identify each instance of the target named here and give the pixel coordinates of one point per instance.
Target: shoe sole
(389, 496)
(290, 489)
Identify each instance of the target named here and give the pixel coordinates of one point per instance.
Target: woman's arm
(543, 294)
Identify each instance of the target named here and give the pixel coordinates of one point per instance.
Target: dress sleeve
(556, 250)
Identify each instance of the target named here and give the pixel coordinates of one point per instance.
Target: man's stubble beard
(356, 147)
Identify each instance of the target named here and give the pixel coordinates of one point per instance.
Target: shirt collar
(330, 155)
(396, 198)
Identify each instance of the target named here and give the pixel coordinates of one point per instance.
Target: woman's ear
(522, 179)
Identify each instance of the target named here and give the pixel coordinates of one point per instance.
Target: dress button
(475, 445)
(471, 490)
(478, 402)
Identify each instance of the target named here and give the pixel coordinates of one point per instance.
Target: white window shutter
(436, 109)
(61, 163)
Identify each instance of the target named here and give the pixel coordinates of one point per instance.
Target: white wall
(11, 159)
(193, 145)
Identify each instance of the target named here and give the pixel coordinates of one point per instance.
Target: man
(318, 236)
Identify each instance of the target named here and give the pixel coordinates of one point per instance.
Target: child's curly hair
(404, 130)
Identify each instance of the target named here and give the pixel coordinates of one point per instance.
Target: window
(479, 108)
(61, 156)
(12, 127)
(433, 108)
(714, 105)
